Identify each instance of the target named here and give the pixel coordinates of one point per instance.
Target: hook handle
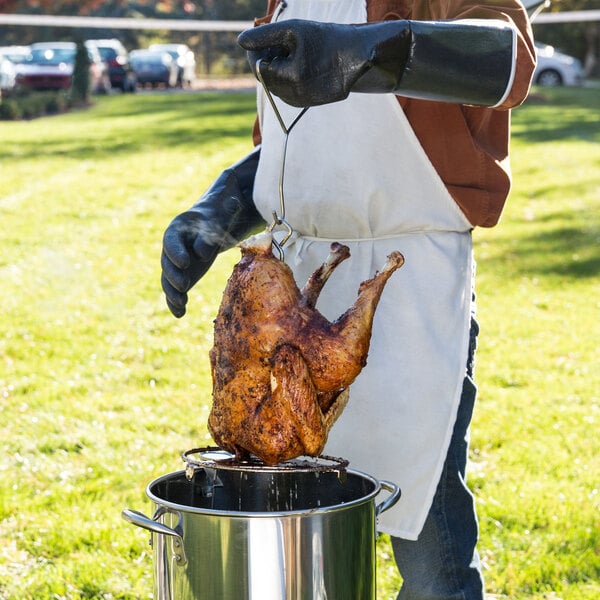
(269, 96)
(282, 124)
(279, 219)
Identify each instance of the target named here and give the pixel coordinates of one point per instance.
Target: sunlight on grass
(102, 388)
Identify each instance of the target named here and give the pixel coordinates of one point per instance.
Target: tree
(80, 84)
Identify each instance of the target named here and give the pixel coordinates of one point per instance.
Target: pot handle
(394, 496)
(141, 520)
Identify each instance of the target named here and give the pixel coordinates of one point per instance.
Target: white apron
(356, 173)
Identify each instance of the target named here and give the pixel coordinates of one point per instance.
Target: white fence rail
(197, 25)
(573, 16)
(122, 23)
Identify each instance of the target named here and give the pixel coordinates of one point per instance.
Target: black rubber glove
(224, 215)
(307, 63)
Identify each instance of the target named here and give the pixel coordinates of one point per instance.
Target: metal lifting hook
(279, 219)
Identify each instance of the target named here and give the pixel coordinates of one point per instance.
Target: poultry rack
(213, 457)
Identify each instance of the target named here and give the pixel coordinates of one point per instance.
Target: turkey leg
(337, 354)
(310, 292)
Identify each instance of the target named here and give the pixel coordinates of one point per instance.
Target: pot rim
(263, 514)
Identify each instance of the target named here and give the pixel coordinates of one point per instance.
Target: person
(404, 147)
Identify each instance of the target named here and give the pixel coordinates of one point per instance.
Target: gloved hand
(307, 63)
(223, 215)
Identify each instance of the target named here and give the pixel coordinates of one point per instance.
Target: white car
(555, 68)
(8, 75)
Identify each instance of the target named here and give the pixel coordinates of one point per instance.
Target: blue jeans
(443, 562)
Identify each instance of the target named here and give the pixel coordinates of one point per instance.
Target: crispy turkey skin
(280, 369)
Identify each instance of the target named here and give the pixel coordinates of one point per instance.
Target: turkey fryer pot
(264, 533)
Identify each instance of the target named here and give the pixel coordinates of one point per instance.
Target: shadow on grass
(561, 245)
(558, 114)
(566, 252)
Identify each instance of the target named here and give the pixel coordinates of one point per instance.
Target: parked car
(16, 54)
(8, 75)
(120, 71)
(50, 65)
(154, 68)
(99, 73)
(186, 61)
(555, 68)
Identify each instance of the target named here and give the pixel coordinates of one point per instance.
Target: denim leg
(443, 563)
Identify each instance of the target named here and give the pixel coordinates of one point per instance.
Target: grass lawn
(101, 389)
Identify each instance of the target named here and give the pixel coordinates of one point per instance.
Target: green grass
(536, 470)
(101, 388)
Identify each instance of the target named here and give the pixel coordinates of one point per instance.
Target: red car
(50, 65)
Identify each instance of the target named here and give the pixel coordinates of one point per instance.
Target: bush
(35, 106)
(29, 105)
(56, 103)
(10, 109)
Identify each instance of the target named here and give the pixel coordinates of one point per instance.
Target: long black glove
(307, 63)
(223, 215)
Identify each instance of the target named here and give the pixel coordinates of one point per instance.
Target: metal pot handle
(141, 520)
(394, 496)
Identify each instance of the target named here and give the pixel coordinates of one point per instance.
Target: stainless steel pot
(238, 535)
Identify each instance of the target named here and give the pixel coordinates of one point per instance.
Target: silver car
(555, 68)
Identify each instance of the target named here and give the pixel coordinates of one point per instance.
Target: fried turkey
(280, 369)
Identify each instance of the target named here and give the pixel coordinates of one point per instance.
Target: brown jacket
(467, 145)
